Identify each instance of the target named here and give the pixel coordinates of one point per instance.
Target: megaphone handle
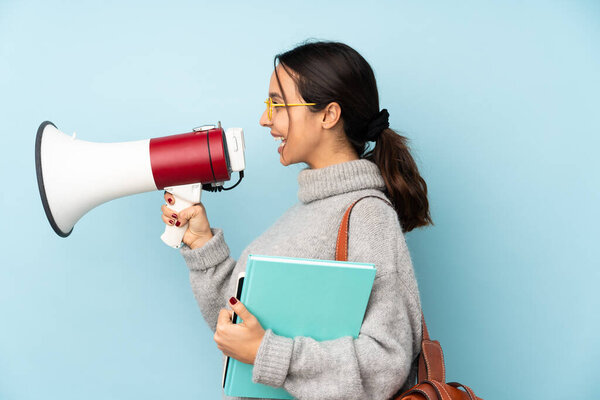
(173, 235)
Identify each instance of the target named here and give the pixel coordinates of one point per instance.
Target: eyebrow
(273, 94)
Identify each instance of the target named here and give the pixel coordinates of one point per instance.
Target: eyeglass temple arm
(299, 104)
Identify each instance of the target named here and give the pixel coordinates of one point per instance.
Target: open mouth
(283, 141)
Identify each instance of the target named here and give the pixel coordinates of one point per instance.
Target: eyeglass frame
(270, 106)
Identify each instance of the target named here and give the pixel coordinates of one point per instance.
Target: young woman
(323, 105)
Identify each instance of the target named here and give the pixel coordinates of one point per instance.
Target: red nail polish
(170, 201)
(177, 223)
(171, 221)
(174, 215)
(233, 300)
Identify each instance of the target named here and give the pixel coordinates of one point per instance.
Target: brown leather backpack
(431, 375)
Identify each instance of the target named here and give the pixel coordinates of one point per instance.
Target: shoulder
(375, 236)
(375, 213)
(374, 231)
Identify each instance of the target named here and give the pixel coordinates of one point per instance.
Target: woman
(323, 105)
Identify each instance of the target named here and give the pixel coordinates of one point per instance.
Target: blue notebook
(322, 299)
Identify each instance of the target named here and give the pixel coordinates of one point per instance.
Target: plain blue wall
(499, 99)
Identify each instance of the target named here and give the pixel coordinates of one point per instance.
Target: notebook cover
(322, 299)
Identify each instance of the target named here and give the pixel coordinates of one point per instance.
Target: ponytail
(405, 187)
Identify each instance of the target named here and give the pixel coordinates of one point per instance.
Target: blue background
(499, 99)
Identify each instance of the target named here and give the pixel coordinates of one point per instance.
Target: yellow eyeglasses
(270, 106)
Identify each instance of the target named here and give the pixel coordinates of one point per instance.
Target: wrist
(257, 346)
(201, 241)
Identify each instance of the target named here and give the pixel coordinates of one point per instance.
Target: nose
(264, 119)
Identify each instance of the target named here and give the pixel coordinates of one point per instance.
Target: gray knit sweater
(381, 360)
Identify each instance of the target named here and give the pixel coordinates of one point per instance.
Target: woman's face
(300, 129)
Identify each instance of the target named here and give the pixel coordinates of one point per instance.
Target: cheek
(281, 124)
(298, 124)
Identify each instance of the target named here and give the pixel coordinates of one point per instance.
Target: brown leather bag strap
(425, 331)
(431, 359)
(468, 389)
(341, 247)
(431, 362)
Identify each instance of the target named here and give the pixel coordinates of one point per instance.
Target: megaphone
(74, 176)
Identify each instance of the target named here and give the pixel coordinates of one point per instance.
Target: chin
(284, 161)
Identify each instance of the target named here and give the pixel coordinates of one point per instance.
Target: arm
(210, 272)
(377, 363)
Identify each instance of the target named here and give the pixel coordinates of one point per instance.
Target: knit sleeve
(210, 272)
(377, 363)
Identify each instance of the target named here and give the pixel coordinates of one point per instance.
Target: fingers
(195, 211)
(240, 341)
(169, 198)
(168, 221)
(241, 310)
(185, 215)
(170, 217)
(224, 318)
(223, 322)
(191, 219)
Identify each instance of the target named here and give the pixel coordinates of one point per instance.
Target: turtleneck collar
(349, 176)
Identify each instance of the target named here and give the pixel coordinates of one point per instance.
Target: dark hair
(326, 72)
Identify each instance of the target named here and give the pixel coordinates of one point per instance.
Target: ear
(331, 115)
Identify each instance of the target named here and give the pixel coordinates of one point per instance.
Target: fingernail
(177, 223)
(170, 201)
(174, 215)
(232, 301)
(171, 221)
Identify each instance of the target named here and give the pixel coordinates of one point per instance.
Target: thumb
(186, 214)
(240, 309)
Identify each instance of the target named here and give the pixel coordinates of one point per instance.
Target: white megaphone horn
(75, 176)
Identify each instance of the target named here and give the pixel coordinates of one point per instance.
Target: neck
(333, 152)
(333, 159)
(315, 184)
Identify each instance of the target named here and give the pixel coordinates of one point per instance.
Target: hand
(198, 231)
(240, 341)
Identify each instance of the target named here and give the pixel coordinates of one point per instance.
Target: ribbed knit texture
(274, 355)
(314, 184)
(377, 363)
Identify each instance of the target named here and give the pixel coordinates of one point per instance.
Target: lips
(279, 138)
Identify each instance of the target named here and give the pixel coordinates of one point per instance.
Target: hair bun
(377, 124)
